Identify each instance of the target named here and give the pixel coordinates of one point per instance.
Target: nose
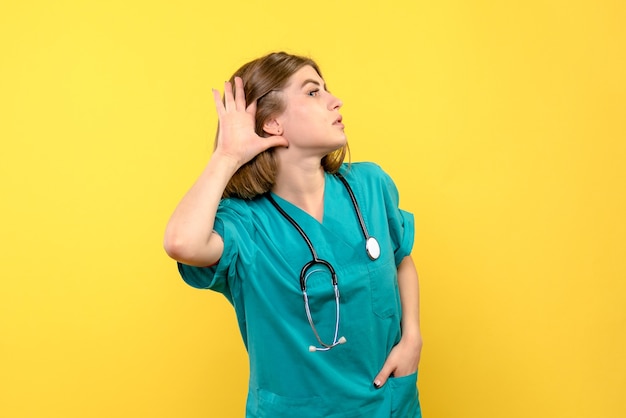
(334, 103)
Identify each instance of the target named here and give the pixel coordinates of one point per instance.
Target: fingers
(251, 109)
(400, 362)
(383, 376)
(240, 98)
(229, 99)
(219, 106)
(275, 141)
(234, 98)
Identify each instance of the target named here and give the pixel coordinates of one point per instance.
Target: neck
(302, 184)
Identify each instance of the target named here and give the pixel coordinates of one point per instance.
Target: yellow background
(502, 122)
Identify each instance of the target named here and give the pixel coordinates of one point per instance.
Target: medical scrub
(259, 274)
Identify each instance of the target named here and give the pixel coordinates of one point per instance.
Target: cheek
(299, 119)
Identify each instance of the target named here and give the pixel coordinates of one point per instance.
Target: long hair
(262, 79)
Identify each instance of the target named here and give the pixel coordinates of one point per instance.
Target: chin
(336, 147)
(332, 144)
(342, 143)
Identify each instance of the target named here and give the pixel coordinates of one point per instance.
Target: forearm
(404, 358)
(408, 283)
(189, 236)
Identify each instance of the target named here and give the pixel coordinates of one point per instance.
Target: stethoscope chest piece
(372, 248)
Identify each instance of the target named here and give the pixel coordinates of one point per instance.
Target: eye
(314, 93)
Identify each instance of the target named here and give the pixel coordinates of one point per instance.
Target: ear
(273, 127)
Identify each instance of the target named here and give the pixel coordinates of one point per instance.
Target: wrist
(224, 163)
(412, 337)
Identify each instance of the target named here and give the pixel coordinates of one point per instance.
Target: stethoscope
(372, 248)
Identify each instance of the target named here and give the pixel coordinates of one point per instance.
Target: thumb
(383, 375)
(275, 141)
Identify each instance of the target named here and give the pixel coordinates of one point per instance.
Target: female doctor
(313, 254)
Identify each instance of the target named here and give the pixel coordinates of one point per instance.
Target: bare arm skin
(189, 236)
(405, 356)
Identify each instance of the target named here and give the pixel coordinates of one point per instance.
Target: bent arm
(405, 356)
(189, 236)
(408, 283)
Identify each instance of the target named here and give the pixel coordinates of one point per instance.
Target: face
(311, 120)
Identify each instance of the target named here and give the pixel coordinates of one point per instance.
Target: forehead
(303, 76)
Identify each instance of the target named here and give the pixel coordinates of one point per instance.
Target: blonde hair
(262, 79)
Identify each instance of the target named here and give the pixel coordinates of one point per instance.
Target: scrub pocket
(404, 397)
(384, 287)
(272, 405)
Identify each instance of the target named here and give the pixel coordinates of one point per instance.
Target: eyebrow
(310, 80)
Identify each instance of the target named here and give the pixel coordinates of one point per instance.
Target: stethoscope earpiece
(313, 349)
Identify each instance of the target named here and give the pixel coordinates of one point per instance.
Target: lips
(338, 121)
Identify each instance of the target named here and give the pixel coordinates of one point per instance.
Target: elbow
(186, 250)
(175, 247)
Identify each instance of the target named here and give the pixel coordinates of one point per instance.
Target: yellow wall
(503, 124)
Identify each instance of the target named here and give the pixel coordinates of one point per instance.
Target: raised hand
(237, 139)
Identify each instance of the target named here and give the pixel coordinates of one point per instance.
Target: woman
(274, 220)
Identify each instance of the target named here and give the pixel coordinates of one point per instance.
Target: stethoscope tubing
(371, 246)
(311, 322)
(316, 259)
(355, 204)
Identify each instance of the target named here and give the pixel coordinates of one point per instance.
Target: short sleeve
(232, 223)
(382, 197)
(401, 223)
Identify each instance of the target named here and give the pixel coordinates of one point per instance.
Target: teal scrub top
(259, 274)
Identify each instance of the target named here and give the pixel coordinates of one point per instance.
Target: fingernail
(377, 384)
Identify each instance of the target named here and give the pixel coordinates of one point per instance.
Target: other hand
(403, 360)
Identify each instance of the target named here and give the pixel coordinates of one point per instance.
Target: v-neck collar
(300, 214)
(339, 227)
